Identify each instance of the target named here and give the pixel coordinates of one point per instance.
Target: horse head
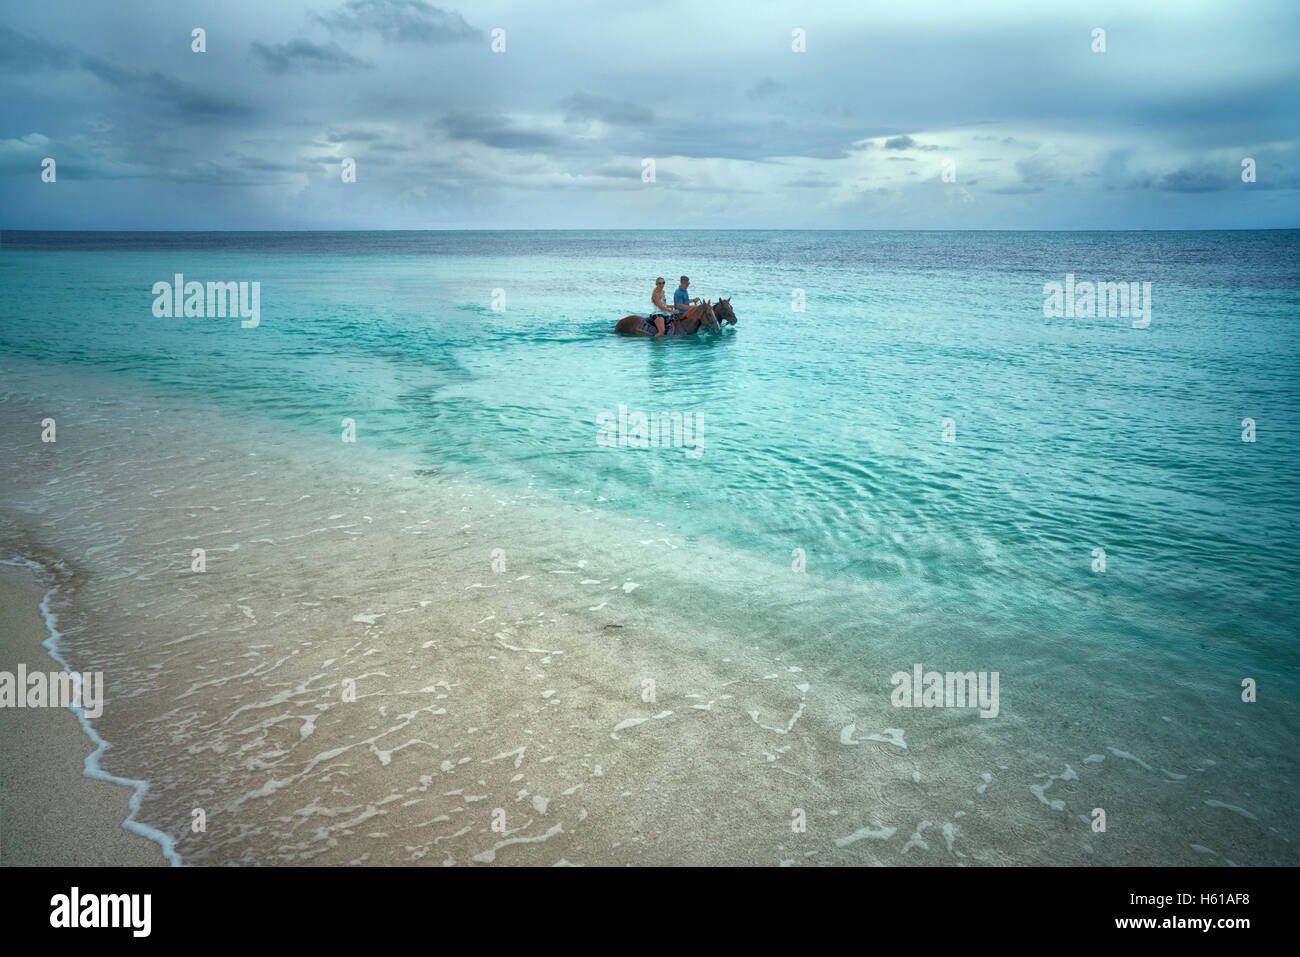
(709, 318)
(722, 309)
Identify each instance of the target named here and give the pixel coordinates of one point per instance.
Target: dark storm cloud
(303, 55)
(1150, 134)
(160, 88)
(400, 21)
(26, 53)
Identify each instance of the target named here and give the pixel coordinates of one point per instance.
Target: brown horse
(687, 324)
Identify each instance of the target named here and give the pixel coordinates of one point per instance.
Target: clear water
(822, 430)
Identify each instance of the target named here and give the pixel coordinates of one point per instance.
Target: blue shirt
(681, 299)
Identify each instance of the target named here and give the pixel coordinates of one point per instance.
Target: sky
(1033, 127)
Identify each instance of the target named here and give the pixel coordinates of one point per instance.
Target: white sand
(50, 813)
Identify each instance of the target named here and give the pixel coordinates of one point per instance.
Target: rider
(657, 300)
(681, 299)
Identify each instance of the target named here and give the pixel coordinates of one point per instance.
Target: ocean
(895, 459)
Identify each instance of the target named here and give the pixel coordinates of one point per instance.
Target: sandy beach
(381, 667)
(58, 817)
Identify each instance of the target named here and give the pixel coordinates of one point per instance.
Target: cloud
(23, 53)
(583, 106)
(159, 87)
(1041, 168)
(22, 156)
(810, 182)
(352, 136)
(305, 55)
(401, 21)
(907, 143)
(254, 164)
(1193, 181)
(494, 131)
(764, 89)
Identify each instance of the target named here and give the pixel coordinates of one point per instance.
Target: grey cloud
(159, 87)
(256, 165)
(1194, 181)
(1040, 169)
(908, 143)
(584, 106)
(22, 53)
(401, 21)
(352, 136)
(764, 88)
(305, 55)
(494, 131)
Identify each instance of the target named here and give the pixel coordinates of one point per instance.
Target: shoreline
(350, 682)
(59, 816)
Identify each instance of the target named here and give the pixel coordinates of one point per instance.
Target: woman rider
(657, 299)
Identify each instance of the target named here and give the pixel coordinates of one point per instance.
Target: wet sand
(50, 813)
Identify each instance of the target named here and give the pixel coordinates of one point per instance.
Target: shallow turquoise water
(821, 430)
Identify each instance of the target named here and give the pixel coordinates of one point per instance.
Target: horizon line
(645, 229)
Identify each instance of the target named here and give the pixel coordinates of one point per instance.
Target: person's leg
(659, 324)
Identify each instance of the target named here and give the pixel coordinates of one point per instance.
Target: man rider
(681, 299)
